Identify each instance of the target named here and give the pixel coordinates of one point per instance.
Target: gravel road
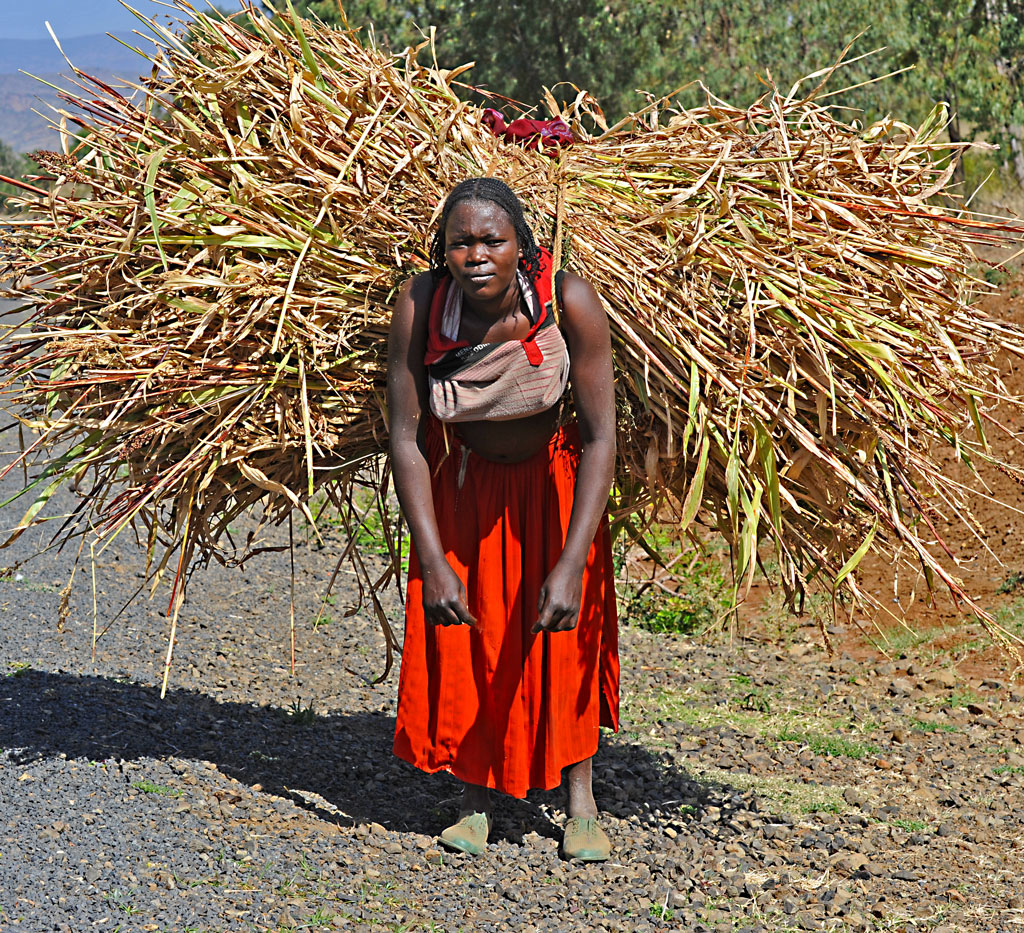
(760, 785)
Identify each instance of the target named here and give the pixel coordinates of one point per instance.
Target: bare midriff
(509, 441)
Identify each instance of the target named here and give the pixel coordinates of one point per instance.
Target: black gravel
(752, 787)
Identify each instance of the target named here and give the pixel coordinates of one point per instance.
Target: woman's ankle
(476, 798)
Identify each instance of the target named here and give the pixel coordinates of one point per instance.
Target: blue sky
(24, 19)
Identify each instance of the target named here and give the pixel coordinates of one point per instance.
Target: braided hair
(497, 192)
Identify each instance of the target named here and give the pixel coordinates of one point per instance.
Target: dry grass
(213, 261)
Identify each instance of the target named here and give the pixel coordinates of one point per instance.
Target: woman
(510, 659)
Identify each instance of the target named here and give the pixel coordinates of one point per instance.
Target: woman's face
(481, 249)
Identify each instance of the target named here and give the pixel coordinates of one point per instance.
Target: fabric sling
(496, 381)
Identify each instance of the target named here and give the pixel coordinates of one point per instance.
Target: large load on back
(213, 259)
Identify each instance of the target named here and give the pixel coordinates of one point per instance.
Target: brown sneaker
(584, 839)
(469, 834)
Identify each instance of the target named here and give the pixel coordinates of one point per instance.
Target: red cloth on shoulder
(497, 705)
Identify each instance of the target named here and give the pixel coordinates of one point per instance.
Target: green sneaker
(469, 834)
(584, 839)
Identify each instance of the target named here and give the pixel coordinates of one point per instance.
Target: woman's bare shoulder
(580, 300)
(418, 288)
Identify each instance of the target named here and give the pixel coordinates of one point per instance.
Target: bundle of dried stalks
(213, 262)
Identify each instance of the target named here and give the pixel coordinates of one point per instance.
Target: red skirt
(497, 705)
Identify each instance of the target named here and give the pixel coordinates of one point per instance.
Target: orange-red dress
(496, 705)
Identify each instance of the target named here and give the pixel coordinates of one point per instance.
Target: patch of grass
(924, 725)
(149, 787)
(661, 912)
(910, 826)
(756, 700)
(694, 610)
(32, 586)
(690, 597)
(299, 715)
(320, 918)
(901, 640)
(121, 900)
(1011, 582)
(1011, 616)
(306, 867)
(757, 713)
(322, 620)
(836, 746)
(183, 882)
(996, 276)
(17, 668)
(1008, 769)
(962, 698)
(792, 796)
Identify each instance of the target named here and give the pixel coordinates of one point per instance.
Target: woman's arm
(585, 326)
(444, 596)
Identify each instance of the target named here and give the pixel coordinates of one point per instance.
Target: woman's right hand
(444, 597)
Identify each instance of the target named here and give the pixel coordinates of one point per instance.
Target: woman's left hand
(559, 605)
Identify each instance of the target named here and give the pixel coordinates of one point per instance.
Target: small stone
(944, 678)
(807, 921)
(905, 876)
(900, 687)
(851, 862)
(855, 797)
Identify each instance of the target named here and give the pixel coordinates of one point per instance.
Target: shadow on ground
(344, 758)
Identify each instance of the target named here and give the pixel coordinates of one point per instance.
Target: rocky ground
(755, 785)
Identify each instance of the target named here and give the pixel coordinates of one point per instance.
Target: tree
(969, 53)
(13, 165)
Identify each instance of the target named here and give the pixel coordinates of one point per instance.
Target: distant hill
(90, 53)
(99, 55)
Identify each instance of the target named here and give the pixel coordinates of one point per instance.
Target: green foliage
(699, 600)
(1013, 581)
(1008, 769)
(661, 912)
(962, 698)
(969, 53)
(923, 725)
(12, 165)
(149, 787)
(832, 745)
(299, 715)
(910, 826)
(681, 597)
